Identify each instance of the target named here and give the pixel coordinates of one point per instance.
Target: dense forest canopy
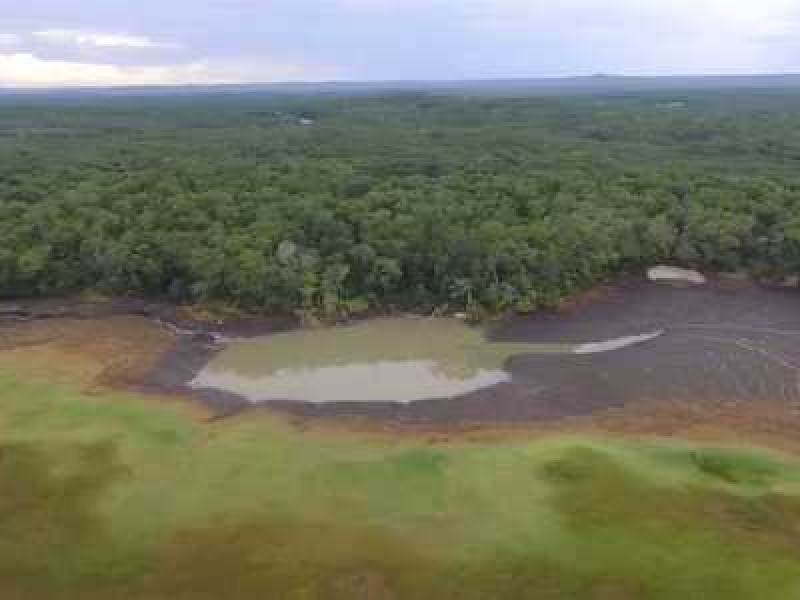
(329, 204)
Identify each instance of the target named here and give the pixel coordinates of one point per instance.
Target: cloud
(709, 17)
(632, 36)
(405, 39)
(27, 70)
(510, 38)
(99, 39)
(371, 5)
(9, 39)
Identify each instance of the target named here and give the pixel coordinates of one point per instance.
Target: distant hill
(595, 84)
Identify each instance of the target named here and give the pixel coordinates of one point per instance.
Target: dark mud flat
(738, 344)
(169, 315)
(196, 345)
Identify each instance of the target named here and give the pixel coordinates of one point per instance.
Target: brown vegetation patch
(770, 424)
(95, 353)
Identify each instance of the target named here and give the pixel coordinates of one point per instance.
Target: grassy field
(110, 495)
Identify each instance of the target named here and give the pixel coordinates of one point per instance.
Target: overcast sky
(110, 42)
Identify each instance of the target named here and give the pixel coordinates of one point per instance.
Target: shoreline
(543, 388)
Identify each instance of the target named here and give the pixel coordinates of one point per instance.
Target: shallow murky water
(383, 360)
(724, 341)
(383, 381)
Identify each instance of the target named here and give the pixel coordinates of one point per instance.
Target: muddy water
(384, 360)
(714, 343)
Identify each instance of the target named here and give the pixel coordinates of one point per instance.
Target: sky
(152, 42)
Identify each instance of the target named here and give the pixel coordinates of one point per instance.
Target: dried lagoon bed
(692, 344)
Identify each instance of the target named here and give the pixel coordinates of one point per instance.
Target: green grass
(116, 496)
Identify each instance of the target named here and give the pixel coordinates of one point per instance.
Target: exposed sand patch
(675, 274)
(616, 344)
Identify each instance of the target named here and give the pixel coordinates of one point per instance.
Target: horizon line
(402, 81)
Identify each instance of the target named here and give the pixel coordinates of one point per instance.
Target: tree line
(333, 205)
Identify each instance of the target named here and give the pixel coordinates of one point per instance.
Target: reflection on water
(383, 381)
(383, 360)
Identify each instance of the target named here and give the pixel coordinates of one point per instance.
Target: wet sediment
(740, 343)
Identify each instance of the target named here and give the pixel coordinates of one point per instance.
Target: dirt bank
(95, 353)
(181, 320)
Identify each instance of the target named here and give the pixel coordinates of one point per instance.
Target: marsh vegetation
(111, 496)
